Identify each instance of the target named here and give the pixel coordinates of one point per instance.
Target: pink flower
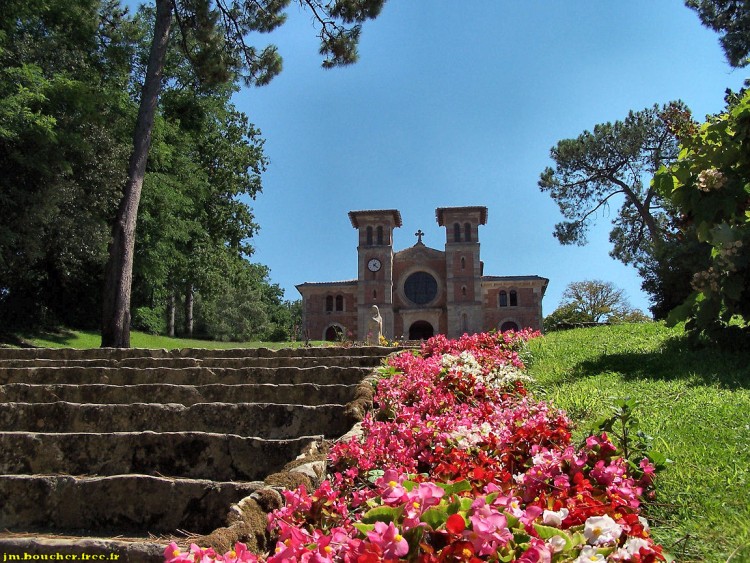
(489, 529)
(429, 494)
(389, 539)
(392, 492)
(200, 555)
(173, 554)
(538, 552)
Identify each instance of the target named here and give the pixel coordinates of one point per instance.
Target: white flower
(601, 529)
(710, 179)
(631, 547)
(555, 518)
(556, 544)
(589, 554)
(634, 545)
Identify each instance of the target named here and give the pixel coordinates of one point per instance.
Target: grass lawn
(92, 339)
(696, 406)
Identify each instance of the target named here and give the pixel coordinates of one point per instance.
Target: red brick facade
(421, 291)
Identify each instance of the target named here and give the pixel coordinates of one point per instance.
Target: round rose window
(420, 288)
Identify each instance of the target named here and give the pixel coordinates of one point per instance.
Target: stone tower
(463, 268)
(375, 266)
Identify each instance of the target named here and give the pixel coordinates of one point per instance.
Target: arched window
(369, 236)
(463, 263)
(465, 323)
(456, 232)
(463, 290)
(374, 294)
(339, 302)
(329, 303)
(467, 232)
(513, 298)
(502, 299)
(380, 234)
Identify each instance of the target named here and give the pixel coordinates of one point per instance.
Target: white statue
(374, 327)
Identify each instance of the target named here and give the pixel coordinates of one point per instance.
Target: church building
(421, 291)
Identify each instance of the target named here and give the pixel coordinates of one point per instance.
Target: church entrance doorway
(333, 333)
(421, 330)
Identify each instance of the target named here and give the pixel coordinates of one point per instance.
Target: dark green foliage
(68, 85)
(150, 319)
(667, 277)
(710, 185)
(60, 159)
(732, 19)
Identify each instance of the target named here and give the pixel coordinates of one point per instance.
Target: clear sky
(458, 103)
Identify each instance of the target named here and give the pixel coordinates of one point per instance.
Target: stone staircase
(113, 451)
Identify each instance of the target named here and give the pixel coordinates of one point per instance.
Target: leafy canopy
(710, 185)
(732, 19)
(612, 165)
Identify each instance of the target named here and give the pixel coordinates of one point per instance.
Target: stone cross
(419, 234)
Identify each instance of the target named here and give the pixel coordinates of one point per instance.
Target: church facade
(421, 291)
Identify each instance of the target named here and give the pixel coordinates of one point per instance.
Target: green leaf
(547, 532)
(364, 528)
(409, 485)
(457, 487)
(382, 514)
(434, 517)
(466, 503)
(734, 286)
(512, 520)
(664, 182)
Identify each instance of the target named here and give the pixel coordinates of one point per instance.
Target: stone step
(171, 362)
(120, 353)
(114, 505)
(263, 420)
(299, 394)
(183, 376)
(194, 455)
(46, 547)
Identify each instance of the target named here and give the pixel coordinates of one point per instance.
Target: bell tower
(375, 266)
(463, 267)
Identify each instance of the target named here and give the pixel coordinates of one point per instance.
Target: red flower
(455, 524)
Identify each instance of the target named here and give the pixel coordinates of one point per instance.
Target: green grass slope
(696, 406)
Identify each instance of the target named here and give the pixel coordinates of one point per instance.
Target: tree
(565, 316)
(62, 156)
(213, 36)
(710, 186)
(595, 300)
(732, 18)
(615, 163)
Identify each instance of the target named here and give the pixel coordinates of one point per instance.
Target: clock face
(373, 265)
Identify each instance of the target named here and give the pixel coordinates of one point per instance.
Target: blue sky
(458, 103)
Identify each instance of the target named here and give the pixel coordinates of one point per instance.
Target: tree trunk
(171, 306)
(189, 311)
(119, 272)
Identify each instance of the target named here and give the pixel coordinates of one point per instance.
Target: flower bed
(458, 463)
